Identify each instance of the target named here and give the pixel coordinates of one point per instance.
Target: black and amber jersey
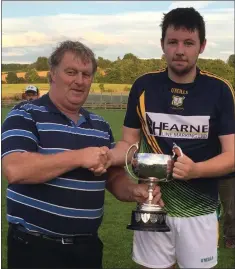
(193, 116)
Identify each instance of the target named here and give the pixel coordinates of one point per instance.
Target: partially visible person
(31, 93)
(227, 198)
(218, 213)
(55, 204)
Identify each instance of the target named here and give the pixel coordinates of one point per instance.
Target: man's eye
(86, 75)
(188, 43)
(172, 42)
(71, 73)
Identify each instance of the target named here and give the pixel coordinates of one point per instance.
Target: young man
(55, 203)
(31, 93)
(194, 109)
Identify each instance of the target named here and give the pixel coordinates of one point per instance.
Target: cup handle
(177, 151)
(126, 160)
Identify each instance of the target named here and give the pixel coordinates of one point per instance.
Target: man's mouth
(78, 90)
(178, 60)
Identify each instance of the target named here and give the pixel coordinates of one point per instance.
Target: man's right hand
(94, 158)
(103, 166)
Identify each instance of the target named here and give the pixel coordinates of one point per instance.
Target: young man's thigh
(196, 241)
(192, 243)
(155, 249)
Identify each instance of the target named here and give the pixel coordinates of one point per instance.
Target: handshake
(96, 159)
(99, 159)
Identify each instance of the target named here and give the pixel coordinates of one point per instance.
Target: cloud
(211, 44)
(107, 2)
(13, 53)
(228, 52)
(109, 36)
(195, 4)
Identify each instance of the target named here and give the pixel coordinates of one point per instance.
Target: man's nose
(79, 78)
(180, 49)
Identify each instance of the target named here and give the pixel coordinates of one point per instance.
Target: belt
(24, 234)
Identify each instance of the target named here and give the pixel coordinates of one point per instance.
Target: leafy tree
(101, 86)
(32, 76)
(14, 67)
(42, 80)
(42, 64)
(129, 56)
(217, 67)
(124, 70)
(113, 75)
(21, 80)
(99, 78)
(103, 63)
(12, 78)
(231, 60)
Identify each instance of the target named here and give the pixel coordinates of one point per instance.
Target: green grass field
(13, 89)
(116, 238)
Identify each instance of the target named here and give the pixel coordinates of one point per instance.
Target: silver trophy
(150, 168)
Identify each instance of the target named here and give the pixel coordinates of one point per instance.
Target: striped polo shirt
(71, 203)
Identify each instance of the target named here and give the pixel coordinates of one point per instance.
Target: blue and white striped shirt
(73, 202)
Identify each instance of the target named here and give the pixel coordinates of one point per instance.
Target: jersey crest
(177, 100)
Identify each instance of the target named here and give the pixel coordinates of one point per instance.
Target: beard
(182, 71)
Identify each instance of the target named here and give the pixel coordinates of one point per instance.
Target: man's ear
(162, 44)
(51, 75)
(203, 45)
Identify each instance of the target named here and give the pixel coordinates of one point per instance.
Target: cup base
(151, 208)
(148, 221)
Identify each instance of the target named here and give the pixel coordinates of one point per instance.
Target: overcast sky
(111, 28)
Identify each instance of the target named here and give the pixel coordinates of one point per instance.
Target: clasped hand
(97, 159)
(140, 194)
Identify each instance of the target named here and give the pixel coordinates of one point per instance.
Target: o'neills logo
(179, 91)
(176, 126)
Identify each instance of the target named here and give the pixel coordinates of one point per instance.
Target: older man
(49, 148)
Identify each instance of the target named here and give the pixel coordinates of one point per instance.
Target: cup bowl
(152, 165)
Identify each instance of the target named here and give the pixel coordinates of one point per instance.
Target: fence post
(121, 100)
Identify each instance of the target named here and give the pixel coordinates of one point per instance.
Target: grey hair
(76, 47)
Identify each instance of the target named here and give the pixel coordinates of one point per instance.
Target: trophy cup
(151, 168)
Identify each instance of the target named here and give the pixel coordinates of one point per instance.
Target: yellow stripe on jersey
(146, 133)
(153, 72)
(222, 79)
(142, 112)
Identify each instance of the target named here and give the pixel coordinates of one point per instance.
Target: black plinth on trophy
(155, 222)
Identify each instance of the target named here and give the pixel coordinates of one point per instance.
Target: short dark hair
(188, 18)
(79, 49)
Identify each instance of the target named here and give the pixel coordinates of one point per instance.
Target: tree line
(120, 71)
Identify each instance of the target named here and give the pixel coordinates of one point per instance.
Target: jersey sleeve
(226, 123)
(19, 132)
(131, 118)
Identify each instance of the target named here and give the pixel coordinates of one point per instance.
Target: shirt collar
(52, 108)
